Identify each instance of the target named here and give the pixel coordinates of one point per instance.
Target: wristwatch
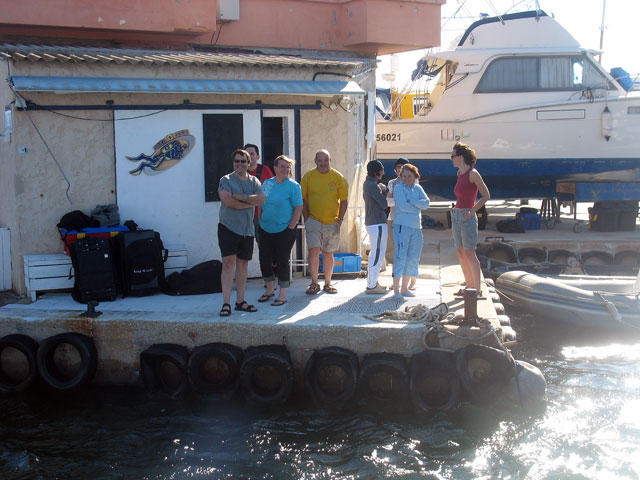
(244, 197)
(341, 219)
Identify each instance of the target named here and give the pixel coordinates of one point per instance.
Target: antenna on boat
(604, 6)
(496, 11)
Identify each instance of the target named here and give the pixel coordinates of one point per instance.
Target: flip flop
(277, 302)
(245, 307)
(225, 311)
(265, 297)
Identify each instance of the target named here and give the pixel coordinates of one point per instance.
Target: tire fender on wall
(214, 370)
(484, 371)
(50, 371)
(384, 378)
(266, 375)
(28, 347)
(163, 367)
(331, 377)
(433, 381)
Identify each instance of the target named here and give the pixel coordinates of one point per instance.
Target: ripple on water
(587, 428)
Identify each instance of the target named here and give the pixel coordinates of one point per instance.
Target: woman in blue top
(280, 214)
(410, 200)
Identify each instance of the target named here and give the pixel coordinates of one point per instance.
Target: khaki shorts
(327, 237)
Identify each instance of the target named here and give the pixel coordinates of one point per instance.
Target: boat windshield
(542, 73)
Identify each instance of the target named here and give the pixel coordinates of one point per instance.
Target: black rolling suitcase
(141, 261)
(94, 270)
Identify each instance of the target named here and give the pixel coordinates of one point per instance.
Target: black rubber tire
(596, 257)
(49, 371)
(29, 348)
(483, 371)
(532, 255)
(274, 359)
(392, 365)
(561, 256)
(227, 379)
(502, 251)
(336, 360)
(433, 381)
(153, 363)
(626, 257)
(508, 333)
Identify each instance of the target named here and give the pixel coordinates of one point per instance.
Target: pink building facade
(91, 85)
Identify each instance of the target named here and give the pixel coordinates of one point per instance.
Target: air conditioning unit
(228, 10)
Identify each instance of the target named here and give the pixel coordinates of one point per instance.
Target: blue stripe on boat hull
(521, 178)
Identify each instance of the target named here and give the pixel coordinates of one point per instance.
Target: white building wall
(85, 145)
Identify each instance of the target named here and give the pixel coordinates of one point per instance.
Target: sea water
(587, 427)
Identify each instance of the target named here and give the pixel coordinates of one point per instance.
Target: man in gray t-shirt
(239, 193)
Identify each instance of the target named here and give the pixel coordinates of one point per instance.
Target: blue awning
(176, 85)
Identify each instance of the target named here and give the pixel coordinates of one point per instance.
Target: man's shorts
(231, 243)
(465, 232)
(325, 236)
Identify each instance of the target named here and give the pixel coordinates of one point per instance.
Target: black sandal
(245, 307)
(225, 311)
(265, 297)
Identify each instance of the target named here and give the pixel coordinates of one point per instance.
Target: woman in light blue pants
(410, 200)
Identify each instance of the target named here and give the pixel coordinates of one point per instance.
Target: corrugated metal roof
(173, 85)
(77, 54)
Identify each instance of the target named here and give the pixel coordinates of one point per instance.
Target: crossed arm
(235, 200)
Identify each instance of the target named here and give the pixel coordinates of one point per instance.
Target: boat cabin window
(527, 74)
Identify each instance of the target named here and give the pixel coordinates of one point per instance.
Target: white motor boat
(537, 107)
(593, 302)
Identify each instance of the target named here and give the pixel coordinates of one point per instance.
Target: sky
(582, 18)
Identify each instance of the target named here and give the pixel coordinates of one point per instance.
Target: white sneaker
(377, 290)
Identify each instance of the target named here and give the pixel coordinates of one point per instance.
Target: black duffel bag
(200, 279)
(509, 226)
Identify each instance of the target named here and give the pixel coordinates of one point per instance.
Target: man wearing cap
(375, 220)
(324, 194)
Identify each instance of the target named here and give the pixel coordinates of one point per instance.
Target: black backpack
(77, 220)
(94, 269)
(141, 260)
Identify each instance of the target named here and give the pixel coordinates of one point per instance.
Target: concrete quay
(127, 326)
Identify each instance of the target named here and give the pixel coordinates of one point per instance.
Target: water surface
(587, 427)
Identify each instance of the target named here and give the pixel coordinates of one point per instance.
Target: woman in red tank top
(464, 221)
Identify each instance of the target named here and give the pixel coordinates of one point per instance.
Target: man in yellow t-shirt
(324, 193)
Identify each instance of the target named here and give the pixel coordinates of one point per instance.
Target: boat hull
(567, 303)
(523, 151)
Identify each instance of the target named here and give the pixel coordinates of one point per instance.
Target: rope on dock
(413, 314)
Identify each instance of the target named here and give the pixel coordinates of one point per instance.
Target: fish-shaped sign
(167, 153)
